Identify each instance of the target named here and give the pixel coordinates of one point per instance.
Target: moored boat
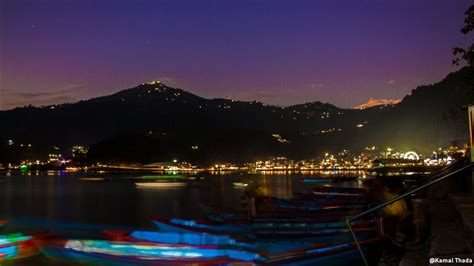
(273, 229)
(240, 184)
(207, 240)
(144, 253)
(16, 247)
(339, 191)
(316, 180)
(93, 179)
(160, 184)
(3, 223)
(257, 207)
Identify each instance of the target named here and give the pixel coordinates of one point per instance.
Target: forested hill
(154, 122)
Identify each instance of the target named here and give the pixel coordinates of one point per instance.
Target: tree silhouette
(466, 54)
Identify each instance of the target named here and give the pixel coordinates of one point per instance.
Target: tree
(466, 54)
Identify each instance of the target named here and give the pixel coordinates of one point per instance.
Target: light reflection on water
(64, 197)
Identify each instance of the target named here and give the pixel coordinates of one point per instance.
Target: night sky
(277, 52)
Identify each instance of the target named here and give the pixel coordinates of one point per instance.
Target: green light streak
(163, 176)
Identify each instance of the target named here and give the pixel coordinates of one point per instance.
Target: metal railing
(397, 198)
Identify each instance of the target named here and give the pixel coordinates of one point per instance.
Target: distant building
(395, 162)
(79, 152)
(54, 157)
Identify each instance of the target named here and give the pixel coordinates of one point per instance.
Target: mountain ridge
(171, 120)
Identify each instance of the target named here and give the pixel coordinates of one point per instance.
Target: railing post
(354, 236)
(349, 219)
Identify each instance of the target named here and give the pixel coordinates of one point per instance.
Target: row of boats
(304, 230)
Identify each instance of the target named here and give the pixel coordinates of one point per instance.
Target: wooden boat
(162, 177)
(324, 254)
(160, 184)
(316, 180)
(257, 208)
(328, 178)
(290, 215)
(240, 184)
(216, 214)
(339, 191)
(310, 203)
(146, 253)
(204, 239)
(94, 179)
(194, 226)
(274, 230)
(3, 223)
(16, 247)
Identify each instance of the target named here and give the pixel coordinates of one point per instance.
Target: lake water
(64, 197)
(116, 201)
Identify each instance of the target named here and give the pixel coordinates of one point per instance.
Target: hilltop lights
(280, 139)
(153, 82)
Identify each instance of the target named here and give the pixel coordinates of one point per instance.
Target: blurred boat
(218, 215)
(323, 254)
(151, 253)
(145, 253)
(240, 184)
(3, 223)
(162, 177)
(316, 180)
(160, 184)
(94, 179)
(16, 247)
(276, 207)
(339, 191)
(329, 178)
(204, 239)
(272, 229)
(194, 226)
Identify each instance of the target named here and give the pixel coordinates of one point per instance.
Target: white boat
(240, 184)
(160, 184)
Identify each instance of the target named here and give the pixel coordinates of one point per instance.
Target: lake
(116, 201)
(35, 199)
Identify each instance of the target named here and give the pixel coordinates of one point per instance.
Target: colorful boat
(194, 226)
(208, 240)
(217, 215)
(324, 254)
(145, 253)
(3, 223)
(15, 247)
(140, 253)
(310, 203)
(316, 180)
(275, 230)
(257, 206)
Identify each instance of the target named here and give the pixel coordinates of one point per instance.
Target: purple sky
(278, 52)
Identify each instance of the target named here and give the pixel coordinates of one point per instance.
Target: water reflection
(115, 201)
